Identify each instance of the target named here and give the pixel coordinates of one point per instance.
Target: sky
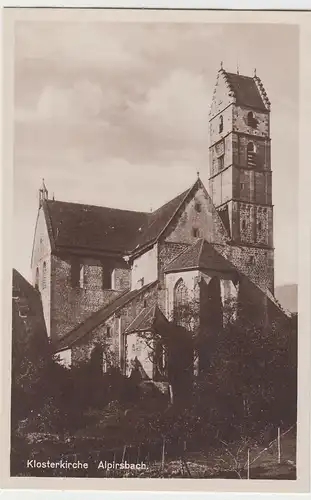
(116, 114)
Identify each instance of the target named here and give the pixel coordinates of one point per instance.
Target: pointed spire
(43, 193)
(221, 65)
(255, 72)
(237, 69)
(198, 174)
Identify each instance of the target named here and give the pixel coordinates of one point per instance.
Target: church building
(113, 281)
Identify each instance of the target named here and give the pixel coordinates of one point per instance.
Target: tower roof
(247, 90)
(200, 255)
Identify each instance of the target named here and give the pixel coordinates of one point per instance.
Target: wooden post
(279, 445)
(124, 451)
(248, 464)
(171, 394)
(163, 453)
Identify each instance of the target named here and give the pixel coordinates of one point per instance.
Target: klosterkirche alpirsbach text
(112, 281)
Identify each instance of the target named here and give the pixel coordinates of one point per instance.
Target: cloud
(83, 101)
(177, 109)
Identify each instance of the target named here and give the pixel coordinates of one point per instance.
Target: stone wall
(240, 121)
(72, 304)
(198, 219)
(115, 343)
(256, 263)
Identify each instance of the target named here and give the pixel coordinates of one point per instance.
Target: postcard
(154, 241)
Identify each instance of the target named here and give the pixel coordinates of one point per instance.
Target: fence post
(279, 445)
(163, 453)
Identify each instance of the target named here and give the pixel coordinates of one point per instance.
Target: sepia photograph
(155, 249)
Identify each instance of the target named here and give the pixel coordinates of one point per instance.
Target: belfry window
(221, 124)
(195, 232)
(251, 120)
(251, 155)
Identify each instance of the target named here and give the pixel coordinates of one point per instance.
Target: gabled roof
(201, 255)
(246, 90)
(89, 226)
(99, 317)
(147, 320)
(158, 220)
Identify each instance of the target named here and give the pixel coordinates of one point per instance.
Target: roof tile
(245, 90)
(201, 255)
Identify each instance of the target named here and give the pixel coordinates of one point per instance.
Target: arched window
(221, 124)
(180, 301)
(37, 279)
(251, 155)
(197, 206)
(251, 120)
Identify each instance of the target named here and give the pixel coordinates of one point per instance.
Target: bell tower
(240, 179)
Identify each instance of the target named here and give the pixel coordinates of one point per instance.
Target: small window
(141, 282)
(37, 279)
(75, 273)
(243, 224)
(198, 206)
(107, 278)
(44, 275)
(251, 155)
(195, 232)
(251, 120)
(221, 162)
(145, 303)
(252, 259)
(242, 185)
(259, 226)
(108, 331)
(221, 124)
(82, 276)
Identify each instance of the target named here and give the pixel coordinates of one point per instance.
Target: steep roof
(158, 220)
(246, 90)
(89, 226)
(200, 255)
(148, 319)
(74, 225)
(99, 317)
